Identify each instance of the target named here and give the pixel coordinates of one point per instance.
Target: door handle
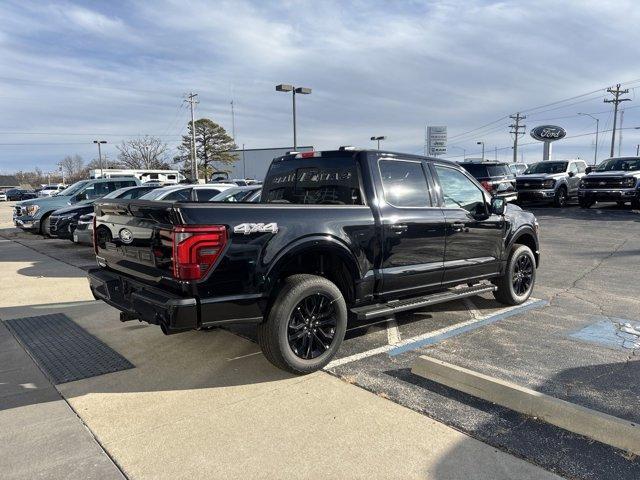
(459, 227)
(399, 228)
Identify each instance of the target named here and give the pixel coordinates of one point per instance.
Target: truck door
(474, 236)
(412, 229)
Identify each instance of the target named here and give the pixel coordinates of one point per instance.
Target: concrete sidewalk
(208, 405)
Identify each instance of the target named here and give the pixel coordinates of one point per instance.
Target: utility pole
(233, 123)
(495, 153)
(516, 132)
(191, 99)
(616, 100)
(621, 132)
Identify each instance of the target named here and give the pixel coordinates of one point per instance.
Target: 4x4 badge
(249, 228)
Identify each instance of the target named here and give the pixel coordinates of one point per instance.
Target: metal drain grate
(64, 350)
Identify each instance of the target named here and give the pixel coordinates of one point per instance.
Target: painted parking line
(441, 334)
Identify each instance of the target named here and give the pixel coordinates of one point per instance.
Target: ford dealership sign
(548, 133)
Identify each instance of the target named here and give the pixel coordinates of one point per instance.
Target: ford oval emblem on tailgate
(126, 236)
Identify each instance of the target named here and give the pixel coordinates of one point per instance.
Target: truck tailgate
(134, 237)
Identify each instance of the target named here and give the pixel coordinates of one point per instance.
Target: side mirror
(571, 174)
(498, 206)
(588, 170)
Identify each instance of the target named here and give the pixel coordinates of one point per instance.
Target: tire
(44, 225)
(508, 291)
(584, 203)
(635, 204)
(292, 313)
(560, 198)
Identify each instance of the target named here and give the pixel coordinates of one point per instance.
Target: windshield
(547, 167)
(619, 164)
(73, 189)
(233, 195)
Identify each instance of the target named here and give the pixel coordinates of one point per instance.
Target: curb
(604, 428)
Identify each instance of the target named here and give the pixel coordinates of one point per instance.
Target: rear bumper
(138, 300)
(172, 312)
(609, 195)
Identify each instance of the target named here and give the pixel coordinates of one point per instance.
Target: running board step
(387, 309)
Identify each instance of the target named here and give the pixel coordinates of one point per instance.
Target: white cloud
(375, 68)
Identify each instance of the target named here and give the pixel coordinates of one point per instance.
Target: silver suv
(551, 181)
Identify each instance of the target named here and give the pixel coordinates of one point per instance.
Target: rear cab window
(330, 180)
(404, 183)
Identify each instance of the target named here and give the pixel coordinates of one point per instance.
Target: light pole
(481, 143)
(100, 142)
(595, 154)
(378, 140)
(283, 87)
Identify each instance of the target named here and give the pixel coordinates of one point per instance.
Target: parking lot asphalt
(208, 405)
(569, 342)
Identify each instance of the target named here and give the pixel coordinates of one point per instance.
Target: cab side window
(404, 183)
(573, 167)
(581, 167)
(460, 192)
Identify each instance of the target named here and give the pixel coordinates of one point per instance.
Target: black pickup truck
(345, 235)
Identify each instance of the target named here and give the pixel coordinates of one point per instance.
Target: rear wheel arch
(328, 258)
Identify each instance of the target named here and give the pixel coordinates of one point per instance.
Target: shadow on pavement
(543, 444)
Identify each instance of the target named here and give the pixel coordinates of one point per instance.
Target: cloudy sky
(71, 72)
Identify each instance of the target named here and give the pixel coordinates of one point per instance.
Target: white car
(187, 192)
(49, 190)
(3, 196)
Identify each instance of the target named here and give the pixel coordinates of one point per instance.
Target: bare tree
(73, 168)
(143, 153)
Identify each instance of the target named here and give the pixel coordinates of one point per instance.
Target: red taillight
(196, 249)
(95, 237)
(486, 185)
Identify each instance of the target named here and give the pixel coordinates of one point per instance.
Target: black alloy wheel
(312, 326)
(522, 274)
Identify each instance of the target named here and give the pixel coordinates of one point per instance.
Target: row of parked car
(558, 182)
(68, 214)
(18, 194)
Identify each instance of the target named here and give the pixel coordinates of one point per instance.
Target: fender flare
(525, 230)
(319, 242)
